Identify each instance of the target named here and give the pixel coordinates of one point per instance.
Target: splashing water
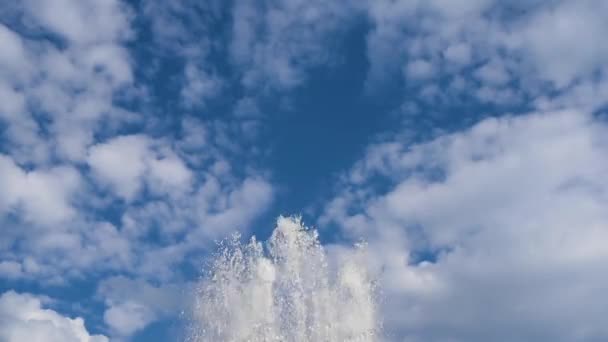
(284, 292)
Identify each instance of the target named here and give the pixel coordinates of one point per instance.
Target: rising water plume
(285, 290)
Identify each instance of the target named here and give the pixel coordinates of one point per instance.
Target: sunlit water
(285, 290)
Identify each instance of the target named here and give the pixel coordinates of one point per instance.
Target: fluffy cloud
(81, 22)
(126, 162)
(68, 83)
(43, 196)
(120, 163)
(82, 175)
(276, 42)
(502, 225)
(418, 69)
(54, 213)
(183, 30)
(23, 318)
(199, 85)
(543, 48)
(13, 55)
(562, 40)
(133, 304)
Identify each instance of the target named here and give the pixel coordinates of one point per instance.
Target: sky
(465, 141)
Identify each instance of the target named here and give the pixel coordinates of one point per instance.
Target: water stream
(285, 290)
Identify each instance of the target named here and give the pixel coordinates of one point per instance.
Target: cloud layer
(23, 318)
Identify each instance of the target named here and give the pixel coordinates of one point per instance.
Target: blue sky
(465, 141)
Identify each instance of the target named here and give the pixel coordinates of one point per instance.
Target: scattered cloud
(43, 196)
(85, 175)
(126, 162)
(69, 84)
(23, 318)
(133, 304)
(130, 140)
(81, 22)
(275, 43)
(540, 48)
(505, 215)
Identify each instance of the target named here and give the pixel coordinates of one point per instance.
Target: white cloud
(43, 253)
(169, 173)
(183, 30)
(184, 211)
(128, 317)
(133, 304)
(493, 74)
(111, 61)
(23, 318)
(247, 108)
(419, 69)
(44, 196)
(199, 85)
(182, 26)
(60, 95)
(459, 54)
(13, 56)
(126, 163)
(241, 204)
(200, 209)
(274, 44)
(541, 46)
(563, 41)
(212, 212)
(121, 163)
(82, 22)
(10, 269)
(57, 94)
(512, 209)
(13, 103)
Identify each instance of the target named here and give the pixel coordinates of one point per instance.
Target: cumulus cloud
(183, 30)
(419, 69)
(74, 19)
(10, 269)
(126, 162)
(23, 318)
(199, 85)
(65, 77)
(71, 86)
(74, 149)
(133, 304)
(459, 54)
(120, 163)
(543, 47)
(210, 213)
(277, 42)
(53, 214)
(507, 216)
(44, 196)
(562, 40)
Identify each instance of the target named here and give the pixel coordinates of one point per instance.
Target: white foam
(284, 291)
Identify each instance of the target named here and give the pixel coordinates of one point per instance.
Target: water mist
(284, 290)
